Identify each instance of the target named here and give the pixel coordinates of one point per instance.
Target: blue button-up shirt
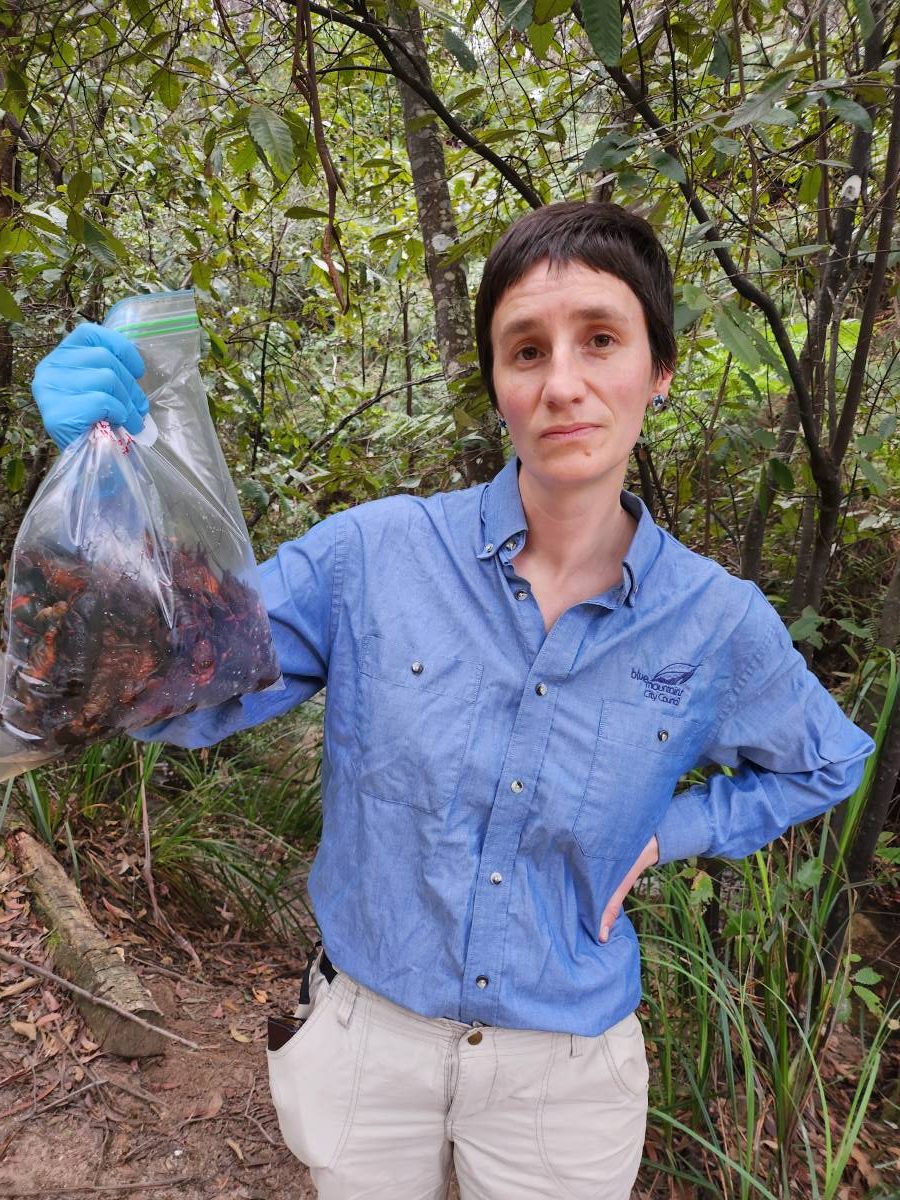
(486, 785)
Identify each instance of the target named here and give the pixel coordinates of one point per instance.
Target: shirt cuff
(684, 830)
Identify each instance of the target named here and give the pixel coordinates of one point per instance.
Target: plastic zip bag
(133, 591)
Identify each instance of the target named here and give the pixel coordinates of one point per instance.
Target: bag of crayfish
(132, 592)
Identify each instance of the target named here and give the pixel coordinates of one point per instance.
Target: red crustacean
(93, 650)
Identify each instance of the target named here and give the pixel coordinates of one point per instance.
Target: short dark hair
(599, 234)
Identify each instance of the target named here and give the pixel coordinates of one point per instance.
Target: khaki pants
(380, 1102)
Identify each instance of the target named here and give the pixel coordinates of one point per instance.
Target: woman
(518, 674)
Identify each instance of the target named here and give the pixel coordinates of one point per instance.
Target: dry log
(81, 953)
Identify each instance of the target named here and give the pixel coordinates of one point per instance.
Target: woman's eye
(529, 353)
(602, 340)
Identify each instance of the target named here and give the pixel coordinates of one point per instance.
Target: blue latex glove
(91, 376)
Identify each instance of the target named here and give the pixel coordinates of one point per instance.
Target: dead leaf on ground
(114, 909)
(28, 1029)
(237, 1035)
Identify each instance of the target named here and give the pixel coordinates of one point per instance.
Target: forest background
(328, 179)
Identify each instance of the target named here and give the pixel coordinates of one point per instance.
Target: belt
(324, 966)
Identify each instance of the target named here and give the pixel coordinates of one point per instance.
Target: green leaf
(849, 110)
(254, 494)
(546, 10)
(866, 20)
(759, 108)
(201, 275)
(733, 337)
(806, 627)
(540, 37)
(766, 438)
(695, 297)
(79, 186)
(887, 426)
(878, 482)
(867, 975)
(702, 890)
(851, 627)
(868, 443)
(669, 166)
(781, 475)
(727, 146)
(141, 13)
(767, 353)
(460, 51)
(167, 86)
(243, 156)
(810, 184)
(870, 1000)
(272, 137)
(302, 212)
(809, 873)
(15, 474)
(721, 58)
(685, 316)
(9, 308)
(217, 346)
(98, 236)
(803, 251)
(603, 24)
(612, 149)
(517, 13)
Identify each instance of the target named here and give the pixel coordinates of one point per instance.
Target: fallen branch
(138, 1185)
(85, 995)
(84, 955)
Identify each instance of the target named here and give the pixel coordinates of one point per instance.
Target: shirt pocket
(413, 722)
(639, 756)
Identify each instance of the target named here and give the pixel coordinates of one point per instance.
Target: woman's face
(573, 372)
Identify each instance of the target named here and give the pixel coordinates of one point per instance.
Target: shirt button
(474, 1038)
(482, 981)
(663, 735)
(520, 595)
(541, 689)
(510, 545)
(516, 786)
(488, 548)
(496, 877)
(417, 668)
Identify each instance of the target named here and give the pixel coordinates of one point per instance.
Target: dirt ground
(184, 1125)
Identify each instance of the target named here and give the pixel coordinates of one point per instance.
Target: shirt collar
(503, 519)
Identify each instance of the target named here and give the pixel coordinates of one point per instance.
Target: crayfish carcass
(93, 649)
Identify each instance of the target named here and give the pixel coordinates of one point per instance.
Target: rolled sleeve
(300, 587)
(794, 753)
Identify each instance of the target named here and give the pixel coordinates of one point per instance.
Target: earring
(659, 402)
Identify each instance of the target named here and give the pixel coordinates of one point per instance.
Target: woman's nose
(564, 380)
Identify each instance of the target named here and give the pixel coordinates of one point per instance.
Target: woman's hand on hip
(647, 857)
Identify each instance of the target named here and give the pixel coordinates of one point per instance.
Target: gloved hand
(91, 376)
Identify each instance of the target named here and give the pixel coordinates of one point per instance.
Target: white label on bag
(148, 434)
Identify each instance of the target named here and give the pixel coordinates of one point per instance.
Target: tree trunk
(449, 289)
(861, 851)
(8, 148)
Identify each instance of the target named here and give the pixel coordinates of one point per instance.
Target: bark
(449, 288)
(861, 852)
(8, 148)
(83, 955)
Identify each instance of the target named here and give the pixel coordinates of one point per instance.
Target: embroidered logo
(667, 685)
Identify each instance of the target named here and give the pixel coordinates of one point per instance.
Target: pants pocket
(626, 1055)
(313, 1079)
(590, 1126)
